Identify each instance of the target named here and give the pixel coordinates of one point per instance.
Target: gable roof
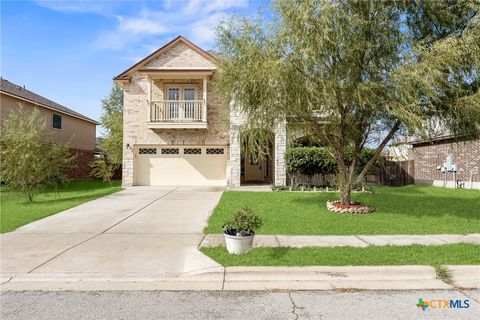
(125, 74)
(17, 91)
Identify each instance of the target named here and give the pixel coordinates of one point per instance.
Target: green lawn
(411, 209)
(17, 211)
(461, 253)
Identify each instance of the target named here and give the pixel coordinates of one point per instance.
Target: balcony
(178, 114)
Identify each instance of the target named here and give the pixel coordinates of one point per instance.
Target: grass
(17, 211)
(411, 209)
(461, 253)
(444, 275)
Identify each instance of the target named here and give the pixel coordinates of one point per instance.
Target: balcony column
(149, 102)
(204, 97)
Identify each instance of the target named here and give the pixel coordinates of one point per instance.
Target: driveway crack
(9, 279)
(468, 296)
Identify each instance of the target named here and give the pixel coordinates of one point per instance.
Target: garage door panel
(180, 169)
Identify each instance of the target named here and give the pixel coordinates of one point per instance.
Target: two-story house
(63, 125)
(176, 132)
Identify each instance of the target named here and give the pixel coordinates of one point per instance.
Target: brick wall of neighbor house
(81, 168)
(428, 156)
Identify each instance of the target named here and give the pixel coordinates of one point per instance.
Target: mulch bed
(354, 207)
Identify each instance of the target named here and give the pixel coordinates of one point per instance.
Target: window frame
(53, 121)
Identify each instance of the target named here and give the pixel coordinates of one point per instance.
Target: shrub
(310, 161)
(28, 162)
(102, 169)
(244, 222)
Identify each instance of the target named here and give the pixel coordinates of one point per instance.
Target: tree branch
(378, 151)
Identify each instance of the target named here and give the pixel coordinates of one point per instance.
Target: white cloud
(76, 6)
(130, 30)
(202, 32)
(141, 25)
(137, 30)
(209, 6)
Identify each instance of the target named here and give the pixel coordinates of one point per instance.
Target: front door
(256, 169)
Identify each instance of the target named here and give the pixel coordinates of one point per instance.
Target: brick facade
(81, 165)
(427, 157)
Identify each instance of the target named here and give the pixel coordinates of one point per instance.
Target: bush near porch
(17, 211)
(412, 209)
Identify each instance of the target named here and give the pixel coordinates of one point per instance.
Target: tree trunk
(346, 192)
(344, 183)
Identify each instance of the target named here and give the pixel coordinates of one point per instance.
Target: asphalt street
(235, 305)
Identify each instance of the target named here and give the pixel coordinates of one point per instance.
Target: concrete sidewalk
(218, 240)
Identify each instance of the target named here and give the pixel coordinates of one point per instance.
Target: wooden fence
(396, 173)
(388, 173)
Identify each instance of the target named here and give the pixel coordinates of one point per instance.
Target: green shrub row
(310, 161)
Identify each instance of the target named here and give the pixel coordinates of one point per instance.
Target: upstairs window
(57, 121)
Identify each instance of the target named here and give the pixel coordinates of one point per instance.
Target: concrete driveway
(139, 233)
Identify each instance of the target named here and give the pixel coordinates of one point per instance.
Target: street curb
(257, 278)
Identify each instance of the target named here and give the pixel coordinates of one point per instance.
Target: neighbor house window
(57, 121)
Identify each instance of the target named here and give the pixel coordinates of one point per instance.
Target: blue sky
(68, 51)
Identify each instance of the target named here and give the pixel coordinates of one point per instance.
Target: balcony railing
(178, 114)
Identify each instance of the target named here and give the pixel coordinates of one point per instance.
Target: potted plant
(239, 231)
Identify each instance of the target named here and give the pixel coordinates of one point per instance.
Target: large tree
(355, 73)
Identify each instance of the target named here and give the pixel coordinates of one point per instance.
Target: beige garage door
(172, 165)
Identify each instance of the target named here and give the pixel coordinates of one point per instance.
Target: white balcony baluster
(177, 111)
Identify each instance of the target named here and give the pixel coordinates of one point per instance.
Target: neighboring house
(63, 124)
(430, 155)
(176, 132)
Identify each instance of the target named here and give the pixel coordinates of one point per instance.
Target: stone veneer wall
(237, 119)
(428, 156)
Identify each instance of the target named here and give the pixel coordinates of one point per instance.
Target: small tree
(112, 142)
(356, 73)
(28, 160)
(101, 169)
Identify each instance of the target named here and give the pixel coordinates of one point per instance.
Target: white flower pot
(238, 244)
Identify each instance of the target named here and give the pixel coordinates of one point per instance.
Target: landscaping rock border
(361, 209)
